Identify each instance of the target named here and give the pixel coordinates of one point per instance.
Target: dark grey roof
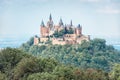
(42, 24)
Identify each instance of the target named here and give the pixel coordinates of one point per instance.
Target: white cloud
(109, 10)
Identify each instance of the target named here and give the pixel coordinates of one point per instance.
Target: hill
(93, 54)
(18, 65)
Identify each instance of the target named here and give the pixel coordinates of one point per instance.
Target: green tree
(42, 76)
(31, 41)
(25, 67)
(36, 50)
(9, 58)
(115, 73)
(3, 76)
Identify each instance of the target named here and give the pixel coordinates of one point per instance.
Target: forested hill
(18, 65)
(92, 60)
(93, 54)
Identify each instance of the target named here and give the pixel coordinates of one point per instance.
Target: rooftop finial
(50, 17)
(71, 23)
(61, 22)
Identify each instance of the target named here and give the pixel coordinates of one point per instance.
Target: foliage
(36, 49)
(18, 65)
(3, 76)
(42, 76)
(26, 46)
(89, 54)
(62, 32)
(115, 73)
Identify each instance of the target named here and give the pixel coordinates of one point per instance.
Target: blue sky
(99, 18)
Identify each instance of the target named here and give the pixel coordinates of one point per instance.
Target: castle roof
(60, 22)
(50, 17)
(78, 26)
(42, 24)
(71, 23)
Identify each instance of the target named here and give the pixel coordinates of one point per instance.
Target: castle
(60, 34)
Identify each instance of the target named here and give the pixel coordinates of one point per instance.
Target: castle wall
(78, 31)
(82, 38)
(70, 37)
(58, 41)
(44, 31)
(43, 39)
(36, 40)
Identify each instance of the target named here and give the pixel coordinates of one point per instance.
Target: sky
(98, 18)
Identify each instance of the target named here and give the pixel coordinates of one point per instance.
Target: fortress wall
(36, 40)
(55, 41)
(43, 39)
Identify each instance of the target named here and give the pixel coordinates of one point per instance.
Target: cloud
(108, 10)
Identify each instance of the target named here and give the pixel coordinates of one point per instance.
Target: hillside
(18, 65)
(93, 54)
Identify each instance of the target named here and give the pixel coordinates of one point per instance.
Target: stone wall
(36, 40)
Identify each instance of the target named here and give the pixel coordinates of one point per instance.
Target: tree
(36, 50)
(9, 58)
(63, 72)
(115, 73)
(98, 44)
(25, 67)
(3, 76)
(63, 32)
(31, 41)
(27, 45)
(42, 76)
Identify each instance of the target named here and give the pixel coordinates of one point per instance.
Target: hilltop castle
(60, 34)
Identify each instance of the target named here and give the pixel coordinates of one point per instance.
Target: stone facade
(36, 40)
(47, 31)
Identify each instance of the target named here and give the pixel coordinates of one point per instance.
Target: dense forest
(18, 65)
(93, 60)
(93, 54)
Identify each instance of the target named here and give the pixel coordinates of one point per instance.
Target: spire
(71, 23)
(42, 24)
(50, 17)
(60, 22)
(78, 26)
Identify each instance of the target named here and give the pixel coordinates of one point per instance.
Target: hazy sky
(23, 17)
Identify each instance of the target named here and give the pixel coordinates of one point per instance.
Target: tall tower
(44, 32)
(42, 24)
(71, 24)
(50, 22)
(60, 22)
(78, 30)
(36, 40)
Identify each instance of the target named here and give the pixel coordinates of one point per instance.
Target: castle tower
(78, 30)
(42, 24)
(60, 22)
(50, 18)
(50, 22)
(71, 24)
(36, 40)
(43, 30)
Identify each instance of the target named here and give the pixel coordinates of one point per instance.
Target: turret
(71, 23)
(50, 22)
(42, 24)
(36, 40)
(79, 26)
(78, 30)
(50, 18)
(60, 22)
